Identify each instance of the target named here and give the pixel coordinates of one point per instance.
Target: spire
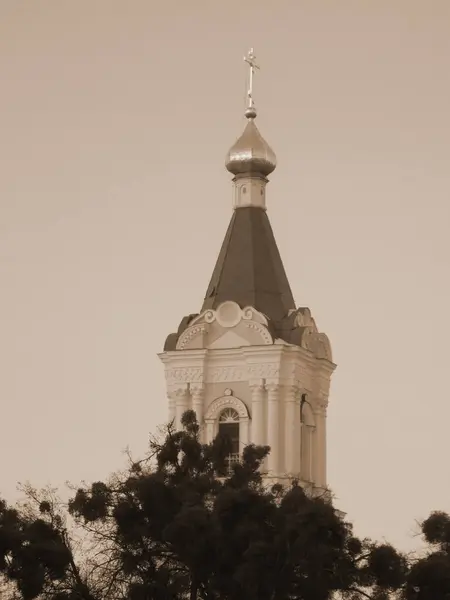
(249, 269)
(251, 155)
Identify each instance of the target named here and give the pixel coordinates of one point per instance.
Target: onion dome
(251, 154)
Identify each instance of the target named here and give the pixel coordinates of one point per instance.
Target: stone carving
(222, 374)
(179, 392)
(188, 335)
(197, 391)
(209, 316)
(267, 338)
(247, 313)
(312, 340)
(233, 373)
(292, 394)
(251, 314)
(229, 314)
(257, 388)
(219, 404)
(322, 403)
(184, 375)
(317, 343)
(264, 371)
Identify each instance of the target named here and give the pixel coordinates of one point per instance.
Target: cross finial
(250, 59)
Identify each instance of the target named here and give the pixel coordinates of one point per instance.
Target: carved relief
(322, 403)
(218, 405)
(292, 394)
(304, 319)
(312, 340)
(197, 391)
(189, 335)
(184, 375)
(264, 371)
(229, 314)
(323, 347)
(209, 316)
(222, 374)
(179, 392)
(233, 373)
(267, 338)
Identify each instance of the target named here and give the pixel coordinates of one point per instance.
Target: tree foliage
(170, 528)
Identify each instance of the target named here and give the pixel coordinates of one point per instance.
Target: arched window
(228, 415)
(229, 427)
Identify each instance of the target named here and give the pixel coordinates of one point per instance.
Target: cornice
(285, 364)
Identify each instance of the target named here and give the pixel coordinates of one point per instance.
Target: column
(257, 388)
(182, 405)
(292, 431)
(172, 406)
(209, 430)
(273, 428)
(244, 431)
(320, 441)
(198, 395)
(298, 433)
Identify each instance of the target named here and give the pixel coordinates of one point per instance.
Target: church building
(250, 362)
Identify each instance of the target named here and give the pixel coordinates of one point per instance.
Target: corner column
(172, 406)
(292, 429)
(182, 404)
(198, 395)
(273, 427)
(243, 433)
(209, 433)
(257, 388)
(319, 467)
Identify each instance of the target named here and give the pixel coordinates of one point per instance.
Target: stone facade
(227, 358)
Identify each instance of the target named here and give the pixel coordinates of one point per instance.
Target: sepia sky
(115, 117)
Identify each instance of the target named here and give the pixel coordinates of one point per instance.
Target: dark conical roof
(249, 269)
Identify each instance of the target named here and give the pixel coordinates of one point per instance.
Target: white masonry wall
(227, 359)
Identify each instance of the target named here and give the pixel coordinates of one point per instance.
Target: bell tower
(250, 363)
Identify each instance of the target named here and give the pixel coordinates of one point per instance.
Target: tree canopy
(170, 528)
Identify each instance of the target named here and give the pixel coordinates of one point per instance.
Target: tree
(429, 575)
(169, 528)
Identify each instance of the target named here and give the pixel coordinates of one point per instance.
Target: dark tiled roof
(249, 269)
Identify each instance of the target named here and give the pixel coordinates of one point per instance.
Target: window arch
(228, 414)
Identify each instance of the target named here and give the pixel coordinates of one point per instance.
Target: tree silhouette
(170, 528)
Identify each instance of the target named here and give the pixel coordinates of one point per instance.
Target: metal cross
(251, 60)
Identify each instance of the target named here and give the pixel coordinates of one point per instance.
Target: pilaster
(273, 427)
(198, 401)
(181, 395)
(320, 449)
(257, 401)
(292, 432)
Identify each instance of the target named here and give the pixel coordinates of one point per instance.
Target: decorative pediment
(229, 314)
(229, 326)
(229, 339)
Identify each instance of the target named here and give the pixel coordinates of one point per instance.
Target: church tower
(251, 363)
